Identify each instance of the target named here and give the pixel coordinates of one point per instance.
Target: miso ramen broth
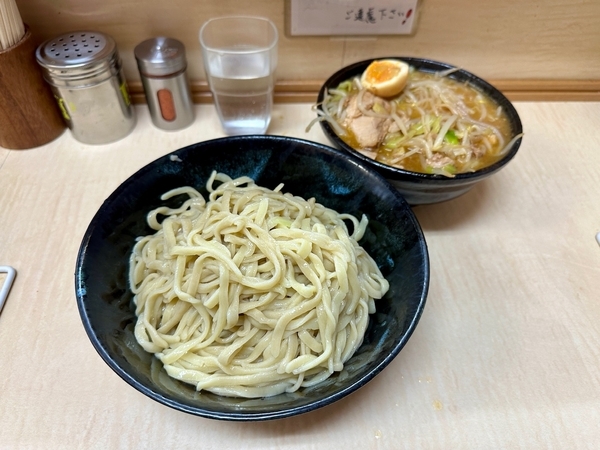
(435, 125)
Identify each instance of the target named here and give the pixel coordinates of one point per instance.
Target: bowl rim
(284, 412)
(402, 174)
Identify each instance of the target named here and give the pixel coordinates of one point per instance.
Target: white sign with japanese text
(352, 17)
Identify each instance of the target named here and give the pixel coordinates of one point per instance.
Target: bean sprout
(435, 125)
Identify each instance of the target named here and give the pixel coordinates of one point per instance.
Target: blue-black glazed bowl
(421, 188)
(394, 239)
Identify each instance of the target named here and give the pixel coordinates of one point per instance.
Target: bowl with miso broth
(431, 129)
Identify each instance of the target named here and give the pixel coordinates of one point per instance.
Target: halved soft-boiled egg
(385, 77)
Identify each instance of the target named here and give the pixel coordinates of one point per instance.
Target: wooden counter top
(506, 355)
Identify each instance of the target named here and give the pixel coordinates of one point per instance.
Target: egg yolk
(381, 71)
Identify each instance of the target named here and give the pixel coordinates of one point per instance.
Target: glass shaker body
(162, 65)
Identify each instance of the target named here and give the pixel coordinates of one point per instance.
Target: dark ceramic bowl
(420, 188)
(394, 239)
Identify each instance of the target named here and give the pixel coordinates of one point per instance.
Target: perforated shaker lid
(76, 50)
(160, 56)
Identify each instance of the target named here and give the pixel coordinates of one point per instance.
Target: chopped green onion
(393, 140)
(436, 125)
(345, 86)
(281, 222)
(450, 168)
(451, 137)
(379, 108)
(416, 129)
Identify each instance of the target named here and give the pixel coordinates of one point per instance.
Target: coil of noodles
(252, 292)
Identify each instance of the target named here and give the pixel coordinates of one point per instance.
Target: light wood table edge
(515, 90)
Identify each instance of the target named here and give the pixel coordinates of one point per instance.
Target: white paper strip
(352, 17)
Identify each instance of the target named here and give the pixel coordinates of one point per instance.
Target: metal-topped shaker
(162, 65)
(84, 71)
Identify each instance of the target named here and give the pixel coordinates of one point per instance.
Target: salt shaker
(162, 65)
(84, 71)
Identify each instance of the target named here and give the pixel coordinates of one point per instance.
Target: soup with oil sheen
(434, 125)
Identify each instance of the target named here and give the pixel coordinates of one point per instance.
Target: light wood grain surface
(506, 355)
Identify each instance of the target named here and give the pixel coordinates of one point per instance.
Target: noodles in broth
(435, 125)
(252, 292)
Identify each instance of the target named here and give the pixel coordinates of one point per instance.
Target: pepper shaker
(162, 65)
(85, 73)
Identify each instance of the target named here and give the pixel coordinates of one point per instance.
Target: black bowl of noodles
(393, 239)
(444, 132)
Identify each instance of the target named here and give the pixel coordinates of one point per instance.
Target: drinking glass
(240, 57)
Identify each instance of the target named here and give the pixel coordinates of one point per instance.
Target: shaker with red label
(162, 65)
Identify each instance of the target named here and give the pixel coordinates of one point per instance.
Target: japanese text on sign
(376, 15)
(352, 17)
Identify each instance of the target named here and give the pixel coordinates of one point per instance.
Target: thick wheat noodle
(253, 292)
